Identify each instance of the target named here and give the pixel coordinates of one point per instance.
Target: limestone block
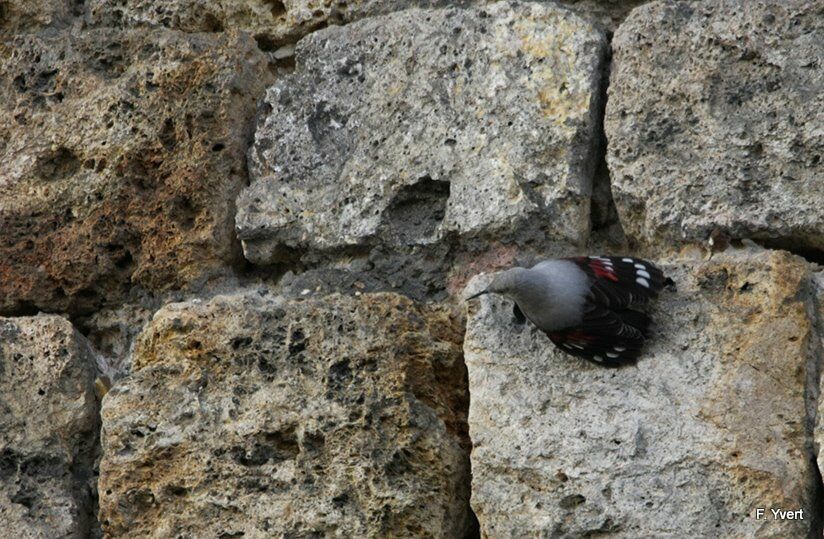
(414, 127)
(253, 414)
(714, 120)
(710, 425)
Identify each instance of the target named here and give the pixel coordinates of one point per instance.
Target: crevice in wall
(812, 396)
(817, 518)
(21, 308)
(280, 54)
(797, 246)
(85, 471)
(474, 530)
(606, 231)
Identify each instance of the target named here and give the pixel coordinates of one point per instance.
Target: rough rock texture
(278, 22)
(18, 16)
(120, 157)
(251, 414)
(406, 128)
(315, 388)
(709, 426)
(48, 428)
(113, 331)
(714, 121)
(608, 14)
(273, 22)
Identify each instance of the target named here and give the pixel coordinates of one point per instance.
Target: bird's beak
(481, 293)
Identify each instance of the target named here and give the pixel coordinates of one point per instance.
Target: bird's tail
(636, 319)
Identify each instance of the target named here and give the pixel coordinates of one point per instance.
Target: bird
(586, 304)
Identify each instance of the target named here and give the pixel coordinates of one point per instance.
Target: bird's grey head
(506, 283)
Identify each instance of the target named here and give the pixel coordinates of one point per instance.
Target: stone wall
(235, 239)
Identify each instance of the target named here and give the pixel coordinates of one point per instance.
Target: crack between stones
(812, 397)
(817, 518)
(85, 471)
(796, 246)
(605, 224)
(474, 530)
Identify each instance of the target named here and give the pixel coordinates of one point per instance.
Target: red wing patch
(602, 267)
(576, 336)
(620, 282)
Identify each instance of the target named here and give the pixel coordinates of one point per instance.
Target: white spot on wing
(640, 266)
(627, 260)
(610, 354)
(578, 346)
(619, 348)
(598, 358)
(642, 273)
(643, 282)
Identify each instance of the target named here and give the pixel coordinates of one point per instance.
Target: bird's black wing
(619, 282)
(605, 337)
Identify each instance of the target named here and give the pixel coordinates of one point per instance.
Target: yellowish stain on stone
(763, 355)
(551, 55)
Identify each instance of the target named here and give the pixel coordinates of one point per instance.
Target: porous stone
(422, 125)
(276, 23)
(608, 14)
(710, 425)
(113, 332)
(17, 16)
(273, 22)
(121, 154)
(257, 415)
(714, 121)
(48, 429)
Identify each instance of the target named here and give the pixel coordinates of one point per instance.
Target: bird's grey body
(551, 294)
(585, 304)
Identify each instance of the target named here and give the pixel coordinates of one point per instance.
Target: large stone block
(48, 429)
(121, 154)
(251, 414)
(714, 121)
(711, 424)
(413, 127)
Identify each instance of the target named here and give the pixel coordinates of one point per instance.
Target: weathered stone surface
(341, 417)
(30, 15)
(608, 14)
(411, 127)
(714, 121)
(48, 428)
(113, 331)
(275, 23)
(120, 157)
(709, 425)
(272, 22)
